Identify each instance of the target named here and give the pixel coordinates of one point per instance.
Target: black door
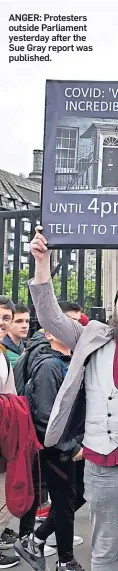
(110, 167)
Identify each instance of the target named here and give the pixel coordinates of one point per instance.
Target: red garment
(112, 458)
(83, 319)
(100, 459)
(18, 445)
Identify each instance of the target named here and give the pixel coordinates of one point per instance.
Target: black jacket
(45, 370)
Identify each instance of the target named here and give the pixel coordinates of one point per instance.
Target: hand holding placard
(39, 251)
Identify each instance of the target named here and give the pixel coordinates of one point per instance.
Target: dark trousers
(61, 482)
(48, 526)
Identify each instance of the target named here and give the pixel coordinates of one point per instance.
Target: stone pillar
(110, 279)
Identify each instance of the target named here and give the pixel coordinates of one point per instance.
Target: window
(65, 143)
(12, 244)
(11, 235)
(71, 154)
(11, 204)
(26, 247)
(63, 163)
(66, 148)
(12, 223)
(71, 164)
(10, 257)
(64, 154)
(73, 256)
(72, 143)
(24, 238)
(23, 260)
(58, 143)
(27, 226)
(73, 133)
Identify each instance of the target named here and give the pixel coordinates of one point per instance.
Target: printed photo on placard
(86, 156)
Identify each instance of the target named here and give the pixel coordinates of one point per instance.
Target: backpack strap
(27, 353)
(64, 367)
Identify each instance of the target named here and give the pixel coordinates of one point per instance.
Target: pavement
(82, 552)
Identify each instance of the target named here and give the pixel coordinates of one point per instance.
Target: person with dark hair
(7, 536)
(67, 305)
(8, 304)
(46, 372)
(74, 311)
(14, 340)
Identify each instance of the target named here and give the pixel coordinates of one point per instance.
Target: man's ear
(48, 335)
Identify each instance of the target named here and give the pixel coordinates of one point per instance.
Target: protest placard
(80, 170)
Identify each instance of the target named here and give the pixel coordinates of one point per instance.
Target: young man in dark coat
(48, 371)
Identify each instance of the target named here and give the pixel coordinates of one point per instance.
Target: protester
(47, 375)
(7, 536)
(74, 311)
(37, 349)
(95, 359)
(14, 340)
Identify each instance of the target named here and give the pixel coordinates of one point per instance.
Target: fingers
(77, 459)
(39, 241)
(38, 244)
(38, 230)
(78, 456)
(39, 236)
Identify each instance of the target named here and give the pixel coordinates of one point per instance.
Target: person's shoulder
(95, 324)
(51, 361)
(48, 362)
(3, 348)
(48, 369)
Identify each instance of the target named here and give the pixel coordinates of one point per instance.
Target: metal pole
(15, 283)
(81, 259)
(64, 275)
(98, 277)
(2, 237)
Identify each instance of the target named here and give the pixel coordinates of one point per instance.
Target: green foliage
(72, 287)
(23, 285)
(57, 285)
(7, 285)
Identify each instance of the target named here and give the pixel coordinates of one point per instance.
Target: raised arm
(49, 314)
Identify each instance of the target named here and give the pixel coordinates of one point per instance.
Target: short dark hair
(116, 298)
(69, 306)
(7, 303)
(21, 308)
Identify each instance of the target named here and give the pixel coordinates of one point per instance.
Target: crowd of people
(62, 388)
